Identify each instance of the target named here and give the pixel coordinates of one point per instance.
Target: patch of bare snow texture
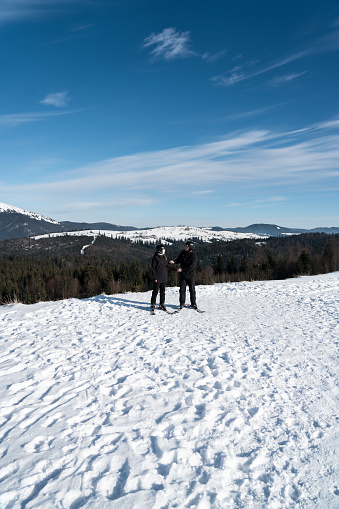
(105, 406)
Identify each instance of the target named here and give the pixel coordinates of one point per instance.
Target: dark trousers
(156, 287)
(182, 292)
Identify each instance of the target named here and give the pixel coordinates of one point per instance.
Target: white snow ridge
(9, 208)
(105, 406)
(173, 233)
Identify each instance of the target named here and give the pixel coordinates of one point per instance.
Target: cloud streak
(14, 10)
(324, 44)
(78, 32)
(327, 43)
(286, 78)
(169, 44)
(241, 73)
(267, 202)
(15, 119)
(208, 57)
(57, 99)
(244, 160)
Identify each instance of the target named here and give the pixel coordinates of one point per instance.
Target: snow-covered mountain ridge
(234, 408)
(164, 234)
(19, 223)
(33, 215)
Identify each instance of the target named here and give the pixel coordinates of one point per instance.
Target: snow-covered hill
(32, 215)
(105, 406)
(174, 233)
(18, 223)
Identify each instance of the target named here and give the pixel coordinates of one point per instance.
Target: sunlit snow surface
(105, 406)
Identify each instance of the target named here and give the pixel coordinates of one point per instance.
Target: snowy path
(88, 245)
(105, 406)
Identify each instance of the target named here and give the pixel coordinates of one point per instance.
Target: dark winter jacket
(159, 268)
(188, 263)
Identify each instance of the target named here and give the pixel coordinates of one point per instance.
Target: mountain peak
(16, 210)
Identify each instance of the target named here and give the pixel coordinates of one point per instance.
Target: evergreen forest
(53, 268)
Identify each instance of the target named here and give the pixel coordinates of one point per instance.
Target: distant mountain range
(272, 230)
(18, 223)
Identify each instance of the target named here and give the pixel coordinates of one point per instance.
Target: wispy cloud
(256, 158)
(267, 202)
(78, 32)
(57, 99)
(330, 124)
(208, 57)
(324, 44)
(169, 44)
(251, 113)
(327, 43)
(15, 119)
(286, 78)
(124, 201)
(245, 72)
(81, 28)
(13, 10)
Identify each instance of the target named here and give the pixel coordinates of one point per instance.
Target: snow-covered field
(105, 406)
(175, 233)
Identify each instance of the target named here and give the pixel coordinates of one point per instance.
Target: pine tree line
(30, 279)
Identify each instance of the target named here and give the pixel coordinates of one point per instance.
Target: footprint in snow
(294, 493)
(52, 420)
(120, 482)
(205, 477)
(200, 411)
(253, 411)
(8, 470)
(38, 444)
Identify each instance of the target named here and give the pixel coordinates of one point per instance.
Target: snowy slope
(105, 406)
(32, 215)
(174, 233)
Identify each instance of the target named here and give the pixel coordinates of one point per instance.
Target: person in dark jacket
(159, 275)
(188, 263)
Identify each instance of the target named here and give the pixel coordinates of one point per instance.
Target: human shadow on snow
(126, 302)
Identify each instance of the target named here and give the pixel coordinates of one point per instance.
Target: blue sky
(149, 112)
